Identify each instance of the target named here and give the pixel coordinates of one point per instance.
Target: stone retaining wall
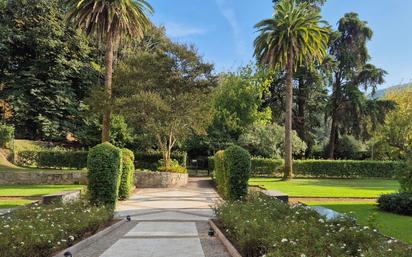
(145, 179)
(43, 178)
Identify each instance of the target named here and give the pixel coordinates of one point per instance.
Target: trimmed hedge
(6, 135)
(327, 168)
(348, 169)
(52, 159)
(104, 164)
(127, 179)
(232, 172)
(150, 160)
(220, 175)
(400, 203)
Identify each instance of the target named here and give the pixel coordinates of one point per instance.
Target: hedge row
(326, 168)
(127, 177)
(52, 159)
(232, 172)
(150, 160)
(400, 203)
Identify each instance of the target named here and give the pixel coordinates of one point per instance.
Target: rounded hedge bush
(400, 203)
(104, 164)
(6, 135)
(237, 163)
(220, 174)
(127, 179)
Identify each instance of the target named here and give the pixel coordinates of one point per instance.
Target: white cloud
(181, 30)
(229, 14)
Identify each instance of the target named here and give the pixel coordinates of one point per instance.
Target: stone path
(165, 222)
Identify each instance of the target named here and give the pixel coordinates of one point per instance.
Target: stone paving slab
(163, 247)
(163, 229)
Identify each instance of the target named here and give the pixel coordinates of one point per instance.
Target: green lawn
(6, 204)
(393, 225)
(35, 190)
(329, 187)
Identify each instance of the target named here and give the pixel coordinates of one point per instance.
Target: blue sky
(222, 30)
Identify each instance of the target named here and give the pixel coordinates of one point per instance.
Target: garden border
(223, 239)
(90, 240)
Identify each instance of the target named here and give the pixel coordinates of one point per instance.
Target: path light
(211, 232)
(128, 218)
(68, 254)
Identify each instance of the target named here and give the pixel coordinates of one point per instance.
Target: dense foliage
(104, 164)
(39, 231)
(400, 203)
(232, 172)
(263, 226)
(46, 68)
(127, 178)
(150, 160)
(6, 135)
(268, 141)
(52, 159)
(162, 90)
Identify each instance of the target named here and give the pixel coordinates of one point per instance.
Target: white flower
(284, 240)
(321, 221)
(303, 255)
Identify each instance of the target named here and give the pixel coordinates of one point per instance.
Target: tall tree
(109, 22)
(352, 76)
(45, 69)
(292, 37)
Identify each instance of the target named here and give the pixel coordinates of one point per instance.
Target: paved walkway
(167, 223)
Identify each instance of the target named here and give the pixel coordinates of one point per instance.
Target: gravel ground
(212, 247)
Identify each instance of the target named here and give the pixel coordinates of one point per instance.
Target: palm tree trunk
(108, 87)
(288, 119)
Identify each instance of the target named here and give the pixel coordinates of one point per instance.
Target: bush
(104, 164)
(266, 167)
(405, 179)
(6, 135)
(150, 160)
(52, 159)
(400, 203)
(263, 226)
(173, 169)
(40, 231)
(237, 169)
(220, 174)
(348, 169)
(127, 179)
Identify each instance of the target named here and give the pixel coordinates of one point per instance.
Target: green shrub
(104, 164)
(266, 167)
(52, 159)
(405, 179)
(220, 174)
(127, 179)
(173, 169)
(237, 166)
(263, 226)
(150, 160)
(40, 231)
(347, 169)
(400, 203)
(6, 135)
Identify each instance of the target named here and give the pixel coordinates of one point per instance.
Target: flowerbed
(262, 226)
(40, 231)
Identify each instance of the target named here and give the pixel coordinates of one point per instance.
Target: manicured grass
(397, 226)
(35, 190)
(329, 187)
(6, 204)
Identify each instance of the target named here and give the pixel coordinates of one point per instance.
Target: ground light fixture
(211, 232)
(68, 254)
(128, 218)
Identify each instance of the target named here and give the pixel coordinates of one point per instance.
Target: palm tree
(292, 37)
(109, 21)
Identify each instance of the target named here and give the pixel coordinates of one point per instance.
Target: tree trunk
(108, 88)
(288, 119)
(332, 138)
